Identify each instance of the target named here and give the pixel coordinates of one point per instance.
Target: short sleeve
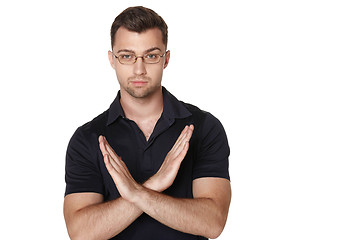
(212, 158)
(82, 173)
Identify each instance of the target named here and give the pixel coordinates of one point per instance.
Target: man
(150, 167)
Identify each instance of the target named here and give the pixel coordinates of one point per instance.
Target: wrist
(136, 194)
(152, 184)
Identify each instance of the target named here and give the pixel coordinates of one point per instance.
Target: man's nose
(139, 66)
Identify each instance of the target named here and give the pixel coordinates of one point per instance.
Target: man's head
(139, 56)
(139, 19)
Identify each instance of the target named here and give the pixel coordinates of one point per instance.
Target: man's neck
(142, 108)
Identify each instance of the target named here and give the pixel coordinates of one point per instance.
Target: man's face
(140, 80)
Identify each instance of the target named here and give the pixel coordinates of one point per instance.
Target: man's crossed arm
(89, 217)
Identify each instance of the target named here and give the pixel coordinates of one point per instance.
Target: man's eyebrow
(132, 51)
(125, 50)
(152, 49)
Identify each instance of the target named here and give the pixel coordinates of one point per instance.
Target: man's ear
(111, 59)
(167, 58)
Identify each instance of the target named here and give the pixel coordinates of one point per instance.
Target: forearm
(199, 216)
(204, 215)
(103, 220)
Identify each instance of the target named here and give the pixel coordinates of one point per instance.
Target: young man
(150, 167)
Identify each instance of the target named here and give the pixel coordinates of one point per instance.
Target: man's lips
(138, 82)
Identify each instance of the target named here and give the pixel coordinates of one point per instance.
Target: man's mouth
(138, 81)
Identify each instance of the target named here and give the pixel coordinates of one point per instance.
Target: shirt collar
(173, 108)
(115, 110)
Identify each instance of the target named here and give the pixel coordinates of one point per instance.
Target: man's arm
(203, 215)
(87, 216)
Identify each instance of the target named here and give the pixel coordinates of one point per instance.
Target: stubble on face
(140, 91)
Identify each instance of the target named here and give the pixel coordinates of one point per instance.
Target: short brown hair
(139, 19)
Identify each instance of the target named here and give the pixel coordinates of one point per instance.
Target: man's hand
(124, 182)
(165, 176)
(163, 179)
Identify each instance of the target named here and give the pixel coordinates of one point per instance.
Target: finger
(109, 166)
(107, 150)
(189, 133)
(118, 164)
(182, 134)
(120, 167)
(183, 138)
(181, 149)
(102, 145)
(184, 144)
(114, 163)
(115, 175)
(110, 160)
(110, 150)
(182, 154)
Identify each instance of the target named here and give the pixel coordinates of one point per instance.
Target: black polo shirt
(207, 157)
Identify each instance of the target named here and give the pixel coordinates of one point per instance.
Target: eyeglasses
(129, 58)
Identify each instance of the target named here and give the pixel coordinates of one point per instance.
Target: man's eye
(126, 56)
(151, 56)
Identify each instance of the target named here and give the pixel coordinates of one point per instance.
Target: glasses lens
(151, 58)
(126, 58)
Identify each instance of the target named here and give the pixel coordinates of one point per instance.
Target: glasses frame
(142, 57)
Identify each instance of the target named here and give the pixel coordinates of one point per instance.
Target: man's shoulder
(202, 117)
(96, 125)
(197, 114)
(194, 110)
(84, 140)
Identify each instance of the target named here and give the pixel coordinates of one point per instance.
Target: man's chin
(141, 92)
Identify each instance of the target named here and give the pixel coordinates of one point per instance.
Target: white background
(282, 76)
